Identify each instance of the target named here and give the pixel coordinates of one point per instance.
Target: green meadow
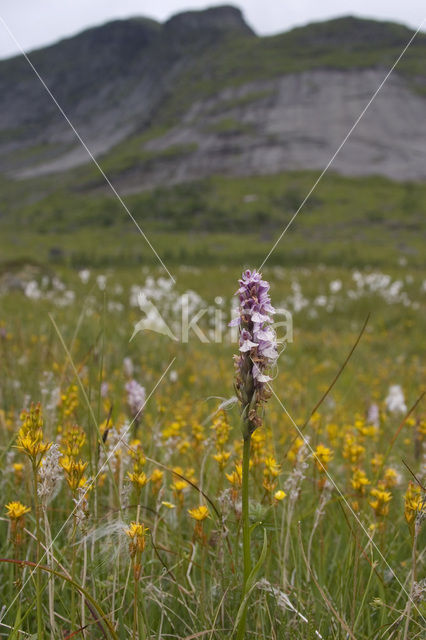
(138, 533)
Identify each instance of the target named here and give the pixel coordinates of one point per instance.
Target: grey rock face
(197, 23)
(300, 123)
(108, 80)
(112, 81)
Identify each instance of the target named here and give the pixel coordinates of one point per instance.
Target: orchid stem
(245, 508)
(246, 529)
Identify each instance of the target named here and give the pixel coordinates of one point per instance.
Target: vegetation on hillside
(346, 221)
(342, 559)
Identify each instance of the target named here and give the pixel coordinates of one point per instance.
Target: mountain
(202, 94)
(109, 81)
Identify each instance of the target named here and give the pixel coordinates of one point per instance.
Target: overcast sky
(35, 23)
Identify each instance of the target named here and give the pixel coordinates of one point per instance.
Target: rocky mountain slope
(201, 94)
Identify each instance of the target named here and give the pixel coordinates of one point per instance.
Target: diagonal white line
(107, 180)
(89, 486)
(345, 139)
(307, 443)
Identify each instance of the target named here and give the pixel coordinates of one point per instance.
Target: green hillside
(369, 220)
(346, 221)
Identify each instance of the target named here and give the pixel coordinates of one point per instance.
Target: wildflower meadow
(231, 455)
(212, 312)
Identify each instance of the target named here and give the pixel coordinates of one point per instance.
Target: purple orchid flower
(257, 347)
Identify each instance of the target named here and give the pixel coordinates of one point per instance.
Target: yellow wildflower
(173, 430)
(18, 469)
(296, 445)
(69, 401)
(273, 468)
(199, 513)
(269, 484)
(179, 485)
(323, 455)
(333, 432)
(157, 475)
(236, 476)
(359, 481)
(197, 433)
(73, 440)
(365, 430)
(390, 478)
(352, 450)
(138, 455)
(16, 510)
(414, 504)
(138, 480)
(190, 474)
(183, 446)
(74, 472)
(377, 461)
(258, 440)
(316, 420)
(156, 480)
(30, 436)
(221, 428)
(101, 479)
(280, 495)
(137, 533)
(380, 501)
(222, 458)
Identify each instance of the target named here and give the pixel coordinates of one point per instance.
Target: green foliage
(190, 585)
(131, 157)
(229, 127)
(242, 101)
(346, 221)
